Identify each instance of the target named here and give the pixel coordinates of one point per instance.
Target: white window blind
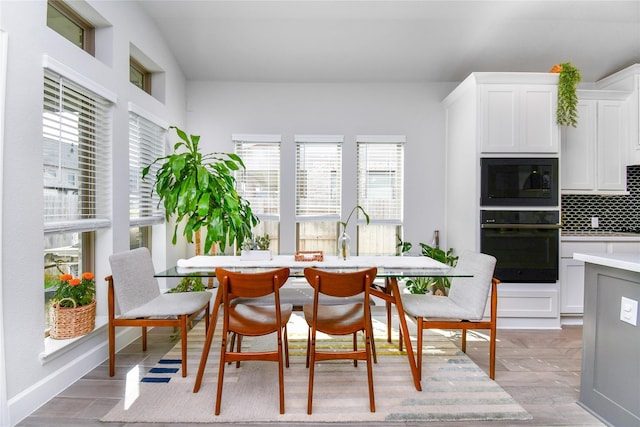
(259, 183)
(146, 143)
(318, 178)
(380, 178)
(76, 131)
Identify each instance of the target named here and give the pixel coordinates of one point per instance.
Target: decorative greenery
(258, 243)
(345, 223)
(81, 289)
(567, 114)
(437, 285)
(200, 188)
(188, 284)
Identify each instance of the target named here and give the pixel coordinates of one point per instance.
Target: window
(146, 144)
(70, 25)
(318, 192)
(76, 175)
(380, 193)
(139, 76)
(259, 183)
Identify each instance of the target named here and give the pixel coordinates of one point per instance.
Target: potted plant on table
(73, 312)
(200, 189)
(256, 248)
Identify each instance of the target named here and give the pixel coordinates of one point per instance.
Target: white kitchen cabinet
(518, 118)
(572, 271)
(594, 154)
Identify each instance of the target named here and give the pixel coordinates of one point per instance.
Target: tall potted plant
(199, 188)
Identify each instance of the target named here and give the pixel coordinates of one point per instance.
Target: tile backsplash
(615, 213)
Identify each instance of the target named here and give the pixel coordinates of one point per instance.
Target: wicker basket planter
(67, 322)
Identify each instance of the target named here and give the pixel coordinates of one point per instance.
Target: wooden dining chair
(135, 290)
(246, 319)
(339, 319)
(463, 308)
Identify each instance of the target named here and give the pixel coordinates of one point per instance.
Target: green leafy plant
(188, 284)
(567, 113)
(81, 289)
(200, 188)
(437, 285)
(258, 243)
(357, 207)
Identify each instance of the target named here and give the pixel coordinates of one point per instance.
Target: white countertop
(623, 261)
(597, 237)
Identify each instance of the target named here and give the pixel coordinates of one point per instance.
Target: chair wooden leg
(223, 349)
(280, 371)
(144, 338)
(492, 354)
(312, 361)
(285, 339)
(355, 347)
(420, 340)
(112, 349)
(372, 403)
(463, 341)
(184, 332)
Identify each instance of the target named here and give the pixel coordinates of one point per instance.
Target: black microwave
(519, 181)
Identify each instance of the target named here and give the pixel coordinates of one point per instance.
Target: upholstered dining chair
(241, 318)
(463, 308)
(133, 287)
(339, 319)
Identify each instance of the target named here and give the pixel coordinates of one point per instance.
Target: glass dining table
(390, 268)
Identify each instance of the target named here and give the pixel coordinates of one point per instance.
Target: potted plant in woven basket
(73, 312)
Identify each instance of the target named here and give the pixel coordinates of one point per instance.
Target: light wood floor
(540, 369)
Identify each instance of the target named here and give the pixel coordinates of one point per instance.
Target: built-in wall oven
(525, 244)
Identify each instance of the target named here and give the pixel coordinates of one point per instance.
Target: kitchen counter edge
(623, 261)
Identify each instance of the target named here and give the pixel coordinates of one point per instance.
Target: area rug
(454, 387)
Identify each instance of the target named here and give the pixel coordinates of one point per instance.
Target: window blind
(259, 183)
(380, 179)
(146, 143)
(318, 178)
(76, 130)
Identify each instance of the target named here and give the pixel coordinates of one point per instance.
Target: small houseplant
(436, 285)
(567, 113)
(344, 241)
(256, 248)
(200, 189)
(73, 311)
(188, 284)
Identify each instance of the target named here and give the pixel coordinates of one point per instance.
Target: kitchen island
(610, 379)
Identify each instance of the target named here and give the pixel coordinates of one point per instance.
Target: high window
(259, 182)
(146, 143)
(76, 175)
(139, 75)
(70, 25)
(380, 192)
(318, 192)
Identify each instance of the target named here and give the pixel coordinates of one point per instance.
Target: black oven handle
(524, 226)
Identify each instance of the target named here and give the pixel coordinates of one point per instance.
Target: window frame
(88, 29)
(146, 75)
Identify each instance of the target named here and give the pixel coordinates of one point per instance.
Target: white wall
(216, 110)
(29, 381)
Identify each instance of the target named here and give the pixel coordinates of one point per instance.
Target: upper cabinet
(628, 80)
(518, 118)
(594, 154)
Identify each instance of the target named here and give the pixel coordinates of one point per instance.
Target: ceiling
(394, 41)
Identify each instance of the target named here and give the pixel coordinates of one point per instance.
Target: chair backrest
(250, 285)
(134, 283)
(472, 292)
(340, 284)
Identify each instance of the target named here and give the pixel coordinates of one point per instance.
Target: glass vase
(344, 246)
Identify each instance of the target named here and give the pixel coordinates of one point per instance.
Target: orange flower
(66, 277)
(87, 276)
(74, 282)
